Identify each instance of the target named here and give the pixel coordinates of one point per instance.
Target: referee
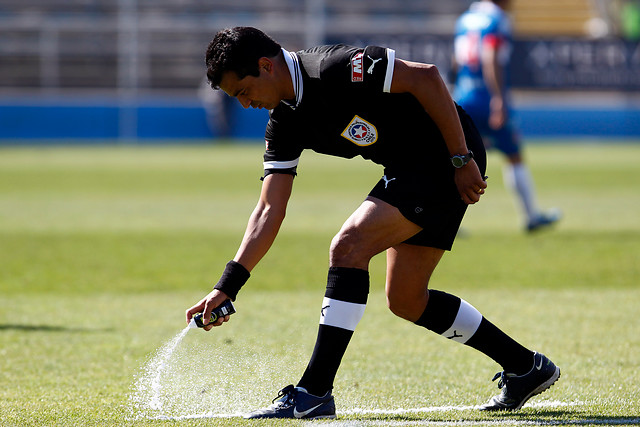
(346, 101)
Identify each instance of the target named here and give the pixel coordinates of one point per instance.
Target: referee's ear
(265, 64)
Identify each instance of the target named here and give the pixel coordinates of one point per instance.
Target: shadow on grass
(538, 418)
(557, 417)
(50, 328)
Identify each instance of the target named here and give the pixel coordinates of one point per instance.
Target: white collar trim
(293, 63)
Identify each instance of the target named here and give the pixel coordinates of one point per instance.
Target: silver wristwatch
(459, 161)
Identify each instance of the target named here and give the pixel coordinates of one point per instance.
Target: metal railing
(159, 44)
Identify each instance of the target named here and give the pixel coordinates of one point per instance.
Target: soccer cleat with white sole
(296, 402)
(517, 389)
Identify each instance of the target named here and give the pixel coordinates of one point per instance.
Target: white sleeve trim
(281, 165)
(391, 58)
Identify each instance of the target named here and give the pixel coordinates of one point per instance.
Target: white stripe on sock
(466, 324)
(341, 314)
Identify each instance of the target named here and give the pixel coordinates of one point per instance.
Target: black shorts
(427, 195)
(439, 212)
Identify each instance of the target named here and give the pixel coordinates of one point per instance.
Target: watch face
(459, 161)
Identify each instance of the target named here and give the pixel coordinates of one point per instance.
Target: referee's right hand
(206, 306)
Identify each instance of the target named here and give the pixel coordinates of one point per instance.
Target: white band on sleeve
(391, 58)
(281, 165)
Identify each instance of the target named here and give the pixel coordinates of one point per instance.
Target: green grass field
(103, 248)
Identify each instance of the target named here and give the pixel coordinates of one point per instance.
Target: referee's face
(255, 92)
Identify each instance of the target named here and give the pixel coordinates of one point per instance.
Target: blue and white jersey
(484, 26)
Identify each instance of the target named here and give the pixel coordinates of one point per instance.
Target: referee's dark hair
(238, 49)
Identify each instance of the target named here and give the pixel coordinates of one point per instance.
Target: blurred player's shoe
(544, 219)
(296, 402)
(517, 389)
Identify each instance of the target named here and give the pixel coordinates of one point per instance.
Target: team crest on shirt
(360, 132)
(356, 68)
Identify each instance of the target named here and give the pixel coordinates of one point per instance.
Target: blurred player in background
(482, 51)
(346, 101)
(217, 109)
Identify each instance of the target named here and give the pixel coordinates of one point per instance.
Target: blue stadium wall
(104, 119)
(154, 120)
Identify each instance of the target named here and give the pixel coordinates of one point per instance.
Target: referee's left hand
(470, 183)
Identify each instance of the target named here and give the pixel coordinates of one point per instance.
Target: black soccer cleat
(517, 389)
(296, 402)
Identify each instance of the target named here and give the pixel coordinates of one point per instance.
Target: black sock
(456, 319)
(342, 309)
(512, 356)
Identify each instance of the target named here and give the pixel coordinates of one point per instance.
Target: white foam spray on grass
(158, 366)
(203, 375)
(147, 394)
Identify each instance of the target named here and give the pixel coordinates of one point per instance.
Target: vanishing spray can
(226, 308)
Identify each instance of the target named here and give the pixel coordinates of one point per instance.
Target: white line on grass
(626, 421)
(399, 411)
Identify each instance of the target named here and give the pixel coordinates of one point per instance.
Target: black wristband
(233, 278)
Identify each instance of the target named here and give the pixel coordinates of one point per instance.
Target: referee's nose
(244, 101)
